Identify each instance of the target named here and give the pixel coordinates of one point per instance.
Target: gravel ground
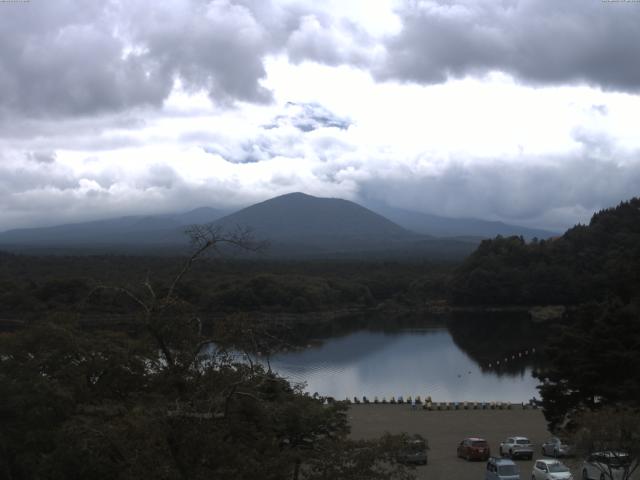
(445, 429)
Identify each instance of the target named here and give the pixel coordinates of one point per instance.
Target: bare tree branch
(210, 237)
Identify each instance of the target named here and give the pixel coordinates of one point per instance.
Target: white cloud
(233, 102)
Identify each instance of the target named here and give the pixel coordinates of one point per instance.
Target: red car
(474, 449)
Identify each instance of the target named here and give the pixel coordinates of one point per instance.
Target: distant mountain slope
(297, 216)
(198, 216)
(130, 230)
(298, 224)
(456, 227)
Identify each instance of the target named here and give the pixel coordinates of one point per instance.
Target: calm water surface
(407, 362)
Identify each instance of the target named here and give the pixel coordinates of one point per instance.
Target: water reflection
(410, 361)
(504, 343)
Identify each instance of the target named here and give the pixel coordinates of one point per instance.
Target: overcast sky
(526, 111)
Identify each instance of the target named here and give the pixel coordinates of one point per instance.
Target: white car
(606, 466)
(515, 447)
(550, 470)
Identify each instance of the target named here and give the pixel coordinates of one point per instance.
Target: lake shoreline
(536, 313)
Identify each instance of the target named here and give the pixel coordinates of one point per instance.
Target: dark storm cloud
(539, 42)
(63, 57)
(66, 58)
(213, 45)
(69, 58)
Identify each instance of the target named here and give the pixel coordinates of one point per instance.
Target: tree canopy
(166, 402)
(586, 263)
(592, 362)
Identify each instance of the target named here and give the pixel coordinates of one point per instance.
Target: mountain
(198, 216)
(299, 217)
(456, 227)
(295, 225)
(299, 224)
(129, 230)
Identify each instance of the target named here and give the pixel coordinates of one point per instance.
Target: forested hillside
(595, 269)
(588, 262)
(31, 287)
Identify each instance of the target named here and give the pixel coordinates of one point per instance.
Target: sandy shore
(445, 429)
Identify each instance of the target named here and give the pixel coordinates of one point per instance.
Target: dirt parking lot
(445, 429)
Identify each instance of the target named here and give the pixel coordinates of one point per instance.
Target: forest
(133, 398)
(106, 402)
(592, 360)
(32, 286)
(588, 262)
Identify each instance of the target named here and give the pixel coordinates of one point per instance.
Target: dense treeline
(79, 403)
(592, 358)
(593, 361)
(31, 286)
(586, 263)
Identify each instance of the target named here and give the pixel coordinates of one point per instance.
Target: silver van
(501, 469)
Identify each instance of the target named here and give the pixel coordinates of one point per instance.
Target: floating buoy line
(511, 358)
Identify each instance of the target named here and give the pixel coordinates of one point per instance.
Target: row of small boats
(428, 404)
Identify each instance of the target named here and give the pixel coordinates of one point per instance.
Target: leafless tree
(155, 305)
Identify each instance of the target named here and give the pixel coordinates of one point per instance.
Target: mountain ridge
(302, 215)
(295, 224)
(439, 226)
(118, 230)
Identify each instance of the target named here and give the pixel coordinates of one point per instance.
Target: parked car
(517, 447)
(501, 469)
(473, 448)
(606, 466)
(554, 447)
(550, 470)
(414, 451)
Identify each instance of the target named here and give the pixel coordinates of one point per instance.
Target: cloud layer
(62, 57)
(515, 110)
(572, 41)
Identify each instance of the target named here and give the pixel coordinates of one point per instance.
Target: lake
(419, 361)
